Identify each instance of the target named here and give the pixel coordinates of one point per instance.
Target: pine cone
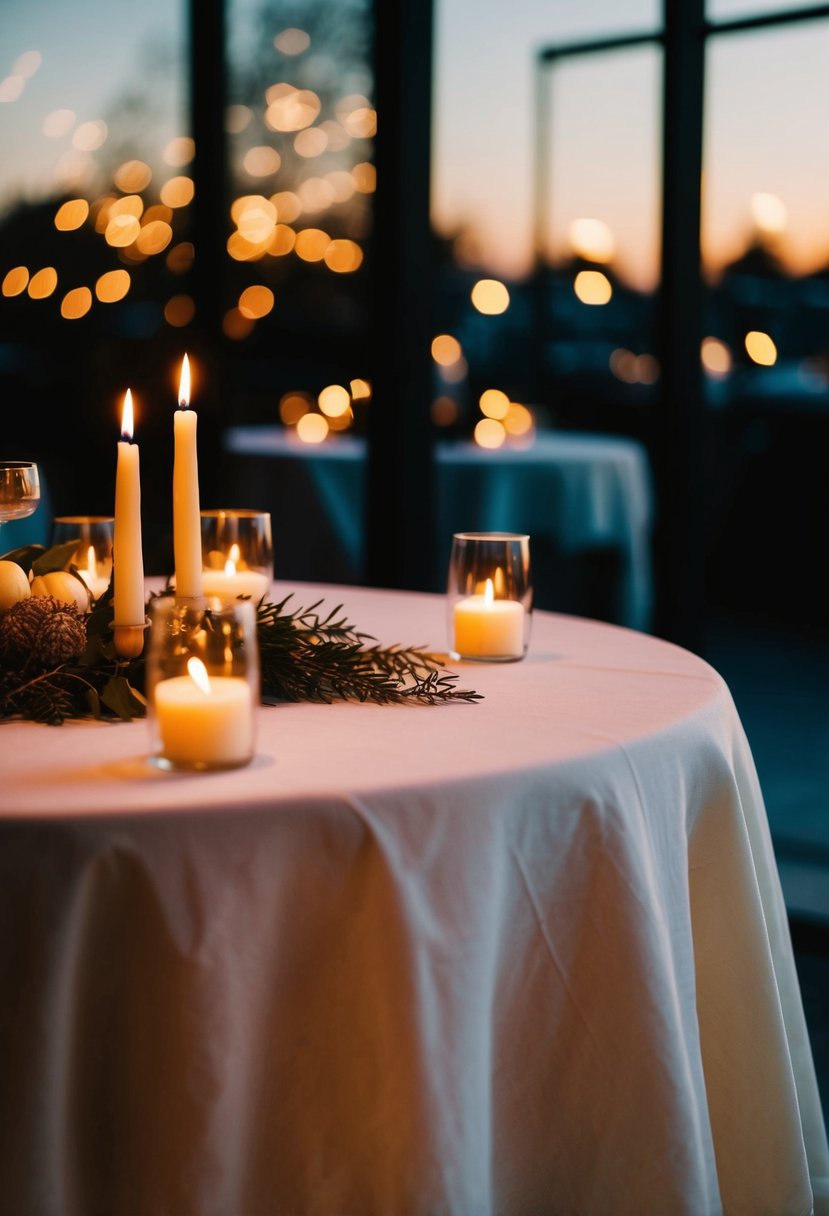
(62, 635)
(20, 625)
(42, 628)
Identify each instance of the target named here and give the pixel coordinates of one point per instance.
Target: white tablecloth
(580, 492)
(519, 957)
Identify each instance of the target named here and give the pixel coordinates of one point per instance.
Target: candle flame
(230, 567)
(235, 553)
(198, 674)
(127, 422)
(489, 593)
(91, 564)
(184, 384)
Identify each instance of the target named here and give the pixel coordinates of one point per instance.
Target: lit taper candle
(186, 516)
(127, 556)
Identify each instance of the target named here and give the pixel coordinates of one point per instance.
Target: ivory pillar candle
(186, 515)
(488, 628)
(205, 721)
(127, 555)
(232, 582)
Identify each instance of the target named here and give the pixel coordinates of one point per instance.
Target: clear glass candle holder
(489, 596)
(93, 554)
(237, 553)
(202, 683)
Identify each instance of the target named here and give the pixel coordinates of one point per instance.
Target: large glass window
(300, 129)
(95, 208)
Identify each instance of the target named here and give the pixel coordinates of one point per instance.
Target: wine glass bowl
(19, 489)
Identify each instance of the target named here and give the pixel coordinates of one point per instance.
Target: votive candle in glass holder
(93, 554)
(489, 596)
(202, 682)
(237, 553)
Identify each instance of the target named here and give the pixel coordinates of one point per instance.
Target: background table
(523, 956)
(579, 496)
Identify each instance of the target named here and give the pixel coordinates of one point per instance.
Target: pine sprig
(306, 654)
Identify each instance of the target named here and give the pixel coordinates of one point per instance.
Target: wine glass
(19, 490)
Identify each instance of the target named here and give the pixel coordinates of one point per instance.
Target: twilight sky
(767, 114)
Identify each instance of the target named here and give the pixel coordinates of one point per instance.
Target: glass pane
(599, 231)
(301, 124)
(723, 10)
(765, 242)
(485, 52)
(602, 166)
(94, 217)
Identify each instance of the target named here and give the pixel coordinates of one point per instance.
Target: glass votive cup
(202, 683)
(489, 596)
(93, 553)
(237, 553)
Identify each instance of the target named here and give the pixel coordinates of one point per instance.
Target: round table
(527, 955)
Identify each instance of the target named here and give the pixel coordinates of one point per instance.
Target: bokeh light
(256, 301)
(444, 411)
(290, 109)
(43, 283)
(177, 192)
(154, 237)
(282, 241)
(311, 142)
(132, 176)
(360, 390)
(122, 230)
(27, 64)
(769, 213)
(494, 403)
(592, 287)
(311, 244)
(288, 206)
(312, 428)
(519, 420)
(760, 348)
(292, 41)
(343, 256)
(489, 433)
(76, 303)
(716, 358)
(592, 240)
(490, 297)
(261, 161)
(293, 406)
(16, 281)
(113, 286)
(180, 151)
(235, 326)
(315, 194)
(58, 123)
(237, 119)
(90, 136)
(365, 177)
(179, 311)
(71, 215)
(446, 350)
(334, 400)
(180, 258)
(12, 87)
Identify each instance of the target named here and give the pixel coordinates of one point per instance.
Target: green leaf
(56, 558)
(25, 555)
(122, 699)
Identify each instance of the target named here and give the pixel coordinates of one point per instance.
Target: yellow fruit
(14, 586)
(64, 587)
